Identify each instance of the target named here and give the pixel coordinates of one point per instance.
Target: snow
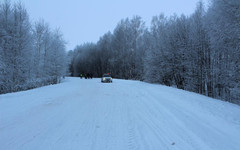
(90, 115)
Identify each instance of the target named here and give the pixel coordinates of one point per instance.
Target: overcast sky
(86, 20)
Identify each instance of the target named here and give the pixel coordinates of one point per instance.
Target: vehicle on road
(106, 78)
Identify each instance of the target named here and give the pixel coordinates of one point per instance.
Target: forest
(31, 54)
(198, 53)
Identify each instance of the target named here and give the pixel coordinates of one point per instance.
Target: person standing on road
(91, 75)
(88, 75)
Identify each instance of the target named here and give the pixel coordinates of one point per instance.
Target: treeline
(199, 53)
(31, 55)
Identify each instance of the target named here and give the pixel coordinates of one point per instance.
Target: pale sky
(84, 21)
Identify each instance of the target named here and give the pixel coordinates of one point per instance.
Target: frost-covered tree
(50, 56)
(177, 45)
(201, 74)
(2, 71)
(41, 35)
(56, 58)
(16, 45)
(6, 25)
(22, 46)
(223, 21)
(127, 35)
(26, 52)
(167, 58)
(155, 57)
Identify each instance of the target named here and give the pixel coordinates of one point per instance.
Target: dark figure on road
(81, 75)
(88, 75)
(91, 75)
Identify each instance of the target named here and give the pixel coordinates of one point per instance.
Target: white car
(106, 78)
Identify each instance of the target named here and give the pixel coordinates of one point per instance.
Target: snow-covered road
(125, 115)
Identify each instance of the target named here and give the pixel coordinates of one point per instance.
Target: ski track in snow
(125, 115)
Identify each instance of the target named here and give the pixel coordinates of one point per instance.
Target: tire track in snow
(176, 127)
(157, 121)
(88, 115)
(195, 129)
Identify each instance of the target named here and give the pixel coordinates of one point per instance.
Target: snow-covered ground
(84, 114)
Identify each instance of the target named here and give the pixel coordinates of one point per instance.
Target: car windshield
(106, 75)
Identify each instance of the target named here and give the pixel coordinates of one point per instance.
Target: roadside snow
(89, 115)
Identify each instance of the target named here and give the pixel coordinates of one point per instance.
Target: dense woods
(31, 55)
(198, 53)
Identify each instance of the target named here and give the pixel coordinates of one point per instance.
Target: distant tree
(70, 56)
(114, 52)
(105, 57)
(84, 59)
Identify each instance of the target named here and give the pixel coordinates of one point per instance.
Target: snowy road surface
(125, 115)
